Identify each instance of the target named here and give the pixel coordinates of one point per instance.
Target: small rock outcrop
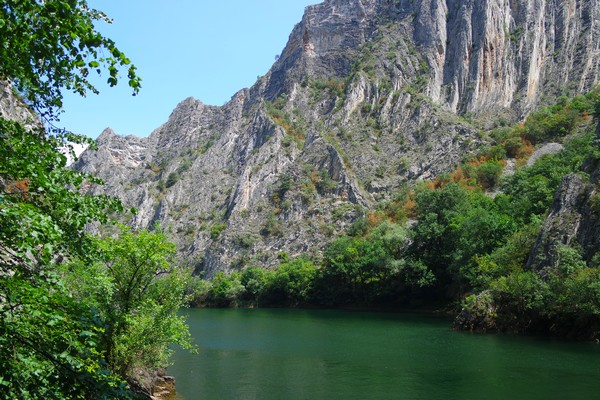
(13, 108)
(154, 385)
(573, 221)
(479, 316)
(164, 389)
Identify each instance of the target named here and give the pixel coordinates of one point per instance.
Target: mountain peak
(106, 135)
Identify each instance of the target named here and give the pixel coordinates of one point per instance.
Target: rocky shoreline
(154, 385)
(164, 388)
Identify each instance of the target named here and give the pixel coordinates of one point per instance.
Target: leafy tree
(48, 342)
(488, 173)
(434, 244)
(503, 260)
(476, 233)
(401, 269)
(580, 294)
(376, 268)
(51, 45)
(551, 123)
(43, 212)
(521, 297)
(51, 343)
(254, 280)
(138, 291)
(351, 263)
(226, 290)
(291, 284)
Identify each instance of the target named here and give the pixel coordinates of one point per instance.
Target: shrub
(272, 226)
(488, 174)
(546, 125)
(216, 230)
(172, 179)
(245, 240)
(254, 280)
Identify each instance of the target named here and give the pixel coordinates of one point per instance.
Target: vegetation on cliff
(462, 240)
(79, 315)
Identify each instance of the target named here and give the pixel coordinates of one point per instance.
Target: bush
(254, 280)
(245, 240)
(198, 291)
(521, 298)
(272, 226)
(137, 292)
(488, 174)
(216, 230)
(548, 125)
(172, 179)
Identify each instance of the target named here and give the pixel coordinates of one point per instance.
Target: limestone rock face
(481, 54)
(573, 220)
(505, 53)
(367, 96)
(13, 108)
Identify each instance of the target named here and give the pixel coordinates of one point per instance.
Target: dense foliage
(52, 45)
(464, 246)
(78, 314)
(137, 290)
(48, 338)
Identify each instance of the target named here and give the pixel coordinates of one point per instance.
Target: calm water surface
(319, 354)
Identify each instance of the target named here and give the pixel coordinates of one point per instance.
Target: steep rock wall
(482, 54)
(367, 95)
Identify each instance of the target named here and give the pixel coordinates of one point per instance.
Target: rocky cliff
(12, 108)
(573, 221)
(367, 96)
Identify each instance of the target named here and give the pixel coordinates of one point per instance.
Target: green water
(318, 354)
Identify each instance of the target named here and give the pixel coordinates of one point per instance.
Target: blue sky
(201, 48)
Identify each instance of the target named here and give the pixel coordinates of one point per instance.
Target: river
(285, 354)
